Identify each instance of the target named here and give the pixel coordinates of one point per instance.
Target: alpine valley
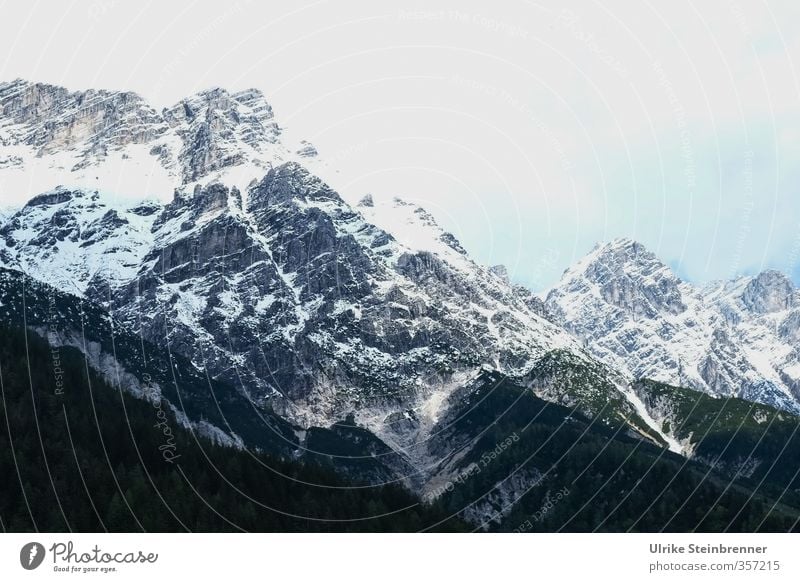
(194, 319)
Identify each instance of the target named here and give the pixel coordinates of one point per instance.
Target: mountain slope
(87, 457)
(737, 437)
(518, 463)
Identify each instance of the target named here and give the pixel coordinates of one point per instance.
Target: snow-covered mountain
(198, 259)
(253, 267)
(735, 338)
(198, 232)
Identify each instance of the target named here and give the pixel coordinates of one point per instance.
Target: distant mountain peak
(617, 243)
(623, 273)
(729, 338)
(770, 291)
(621, 253)
(367, 201)
(625, 249)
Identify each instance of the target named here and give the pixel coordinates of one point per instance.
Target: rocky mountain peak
(628, 276)
(51, 118)
(636, 315)
(306, 150)
(625, 250)
(245, 107)
(500, 271)
(115, 141)
(289, 181)
(366, 202)
(220, 130)
(768, 292)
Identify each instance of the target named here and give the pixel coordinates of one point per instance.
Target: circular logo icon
(31, 555)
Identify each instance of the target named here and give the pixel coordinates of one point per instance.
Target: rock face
(729, 338)
(316, 312)
(51, 119)
(769, 292)
(114, 141)
(628, 277)
(219, 130)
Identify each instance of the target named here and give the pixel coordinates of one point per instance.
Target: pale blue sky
(531, 129)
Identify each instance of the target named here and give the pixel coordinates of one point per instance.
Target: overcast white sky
(531, 130)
